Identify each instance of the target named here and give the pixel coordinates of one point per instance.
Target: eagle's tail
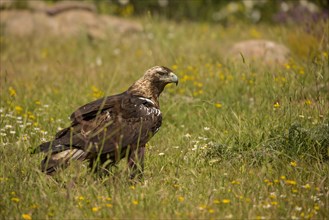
(61, 159)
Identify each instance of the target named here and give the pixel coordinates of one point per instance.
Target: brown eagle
(113, 127)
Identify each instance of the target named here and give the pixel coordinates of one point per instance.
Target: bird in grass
(111, 128)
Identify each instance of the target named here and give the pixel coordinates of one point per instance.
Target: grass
(239, 140)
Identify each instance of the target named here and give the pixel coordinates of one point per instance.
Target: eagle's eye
(161, 73)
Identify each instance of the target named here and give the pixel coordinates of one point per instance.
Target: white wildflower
(297, 208)
(206, 128)
(12, 132)
(161, 154)
(187, 135)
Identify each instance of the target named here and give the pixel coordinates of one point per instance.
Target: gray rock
(264, 51)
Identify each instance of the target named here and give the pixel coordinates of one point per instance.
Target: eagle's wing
(93, 108)
(123, 120)
(130, 124)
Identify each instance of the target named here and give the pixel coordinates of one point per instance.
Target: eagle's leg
(136, 162)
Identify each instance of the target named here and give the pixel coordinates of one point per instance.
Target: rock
(264, 51)
(4, 4)
(25, 23)
(121, 25)
(63, 6)
(68, 23)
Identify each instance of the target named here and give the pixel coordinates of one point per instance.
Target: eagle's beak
(173, 78)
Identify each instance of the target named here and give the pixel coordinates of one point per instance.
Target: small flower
(18, 109)
(272, 195)
(293, 163)
(306, 186)
(216, 201)
(15, 199)
(206, 128)
(297, 208)
(202, 207)
(161, 154)
(37, 102)
(291, 182)
(135, 202)
(187, 135)
(180, 198)
(211, 211)
(218, 105)
(316, 207)
(26, 216)
(174, 67)
(81, 198)
(276, 105)
(95, 209)
(109, 205)
(294, 191)
(12, 91)
(308, 102)
(226, 201)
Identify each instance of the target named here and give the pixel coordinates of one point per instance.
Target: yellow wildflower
(308, 102)
(95, 209)
(218, 105)
(294, 191)
(307, 186)
(293, 163)
(26, 216)
(34, 206)
(316, 207)
(276, 105)
(291, 182)
(18, 109)
(211, 211)
(283, 177)
(226, 201)
(135, 202)
(216, 201)
(174, 67)
(132, 187)
(15, 199)
(109, 205)
(37, 102)
(12, 92)
(81, 198)
(202, 207)
(181, 198)
(274, 203)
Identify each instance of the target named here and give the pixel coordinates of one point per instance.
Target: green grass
(238, 140)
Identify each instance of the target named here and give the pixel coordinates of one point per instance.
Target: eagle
(111, 128)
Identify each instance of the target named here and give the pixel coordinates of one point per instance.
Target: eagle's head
(160, 75)
(153, 82)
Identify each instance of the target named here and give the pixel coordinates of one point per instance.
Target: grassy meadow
(238, 140)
